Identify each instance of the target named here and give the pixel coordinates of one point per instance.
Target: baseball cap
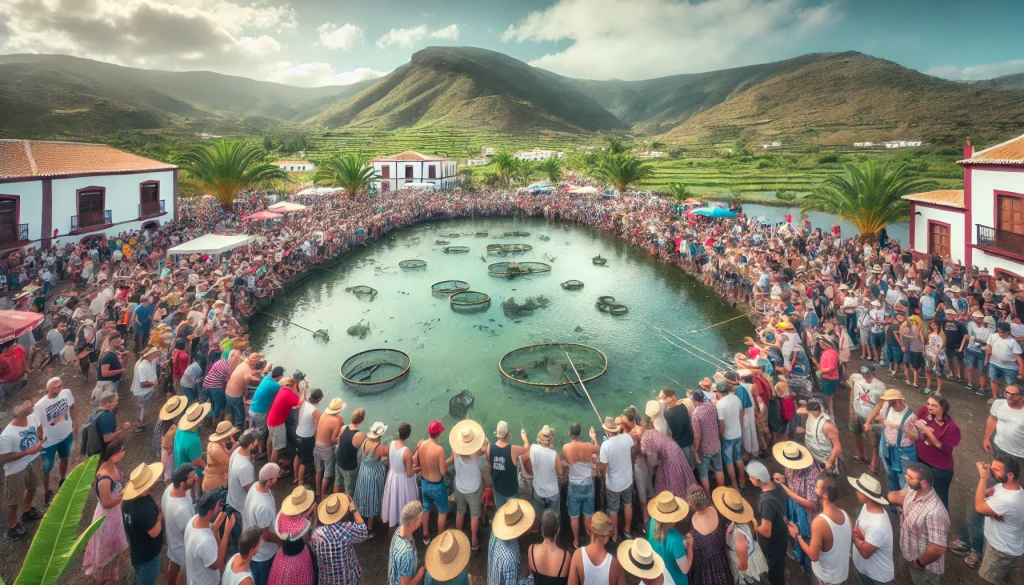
(277, 372)
(758, 471)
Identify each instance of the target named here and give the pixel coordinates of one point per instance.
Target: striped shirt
(403, 560)
(503, 562)
(217, 377)
(925, 521)
(706, 418)
(333, 545)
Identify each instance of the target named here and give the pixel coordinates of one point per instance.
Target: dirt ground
(968, 410)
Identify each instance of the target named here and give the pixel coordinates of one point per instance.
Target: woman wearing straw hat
(369, 493)
(187, 446)
(666, 511)
(333, 541)
(745, 556)
(446, 559)
(511, 521)
(218, 456)
(799, 482)
(709, 564)
(640, 560)
(144, 519)
(293, 563)
(167, 428)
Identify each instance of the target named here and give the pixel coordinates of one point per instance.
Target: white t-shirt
(1005, 536)
(240, 473)
(1009, 433)
(980, 335)
(200, 552)
(15, 439)
(260, 511)
(878, 532)
(178, 512)
(467, 473)
(616, 454)
(55, 413)
(729, 407)
(545, 480)
(145, 371)
(1004, 351)
(865, 396)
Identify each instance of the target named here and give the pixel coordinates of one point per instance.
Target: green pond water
(452, 352)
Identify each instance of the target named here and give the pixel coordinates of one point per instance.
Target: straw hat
(870, 487)
(792, 455)
(337, 405)
(194, 415)
(376, 431)
(333, 508)
(638, 558)
(447, 555)
(666, 507)
(149, 352)
(785, 326)
(546, 434)
(611, 424)
(513, 519)
(142, 478)
(174, 406)
(731, 504)
(891, 394)
(224, 430)
(954, 289)
(300, 500)
(467, 437)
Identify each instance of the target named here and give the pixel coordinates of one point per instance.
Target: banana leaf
(55, 544)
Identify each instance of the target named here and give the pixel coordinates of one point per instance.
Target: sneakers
(973, 560)
(969, 386)
(32, 515)
(958, 548)
(48, 498)
(980, 392)
(16, 532)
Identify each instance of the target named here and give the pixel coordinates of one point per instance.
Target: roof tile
(1010, 152)
(946, 197)
(39, 158)
(409, 155)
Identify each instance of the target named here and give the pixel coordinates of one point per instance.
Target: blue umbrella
(716, 212)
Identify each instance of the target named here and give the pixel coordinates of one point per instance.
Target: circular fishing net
(442, 242)
(363, 292)
(545, 365)
(514, 269)
(456, 249)
(516, 234)
(375, 370)
(449, 287)
(481, 234)
(469, 301)
(503, 249)
(459, 405)
(607, 304)
(408, 264)
(572, 284)
(544, 238)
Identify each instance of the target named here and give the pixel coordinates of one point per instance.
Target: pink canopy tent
(264, 215)
(14, 324)
(286, 207)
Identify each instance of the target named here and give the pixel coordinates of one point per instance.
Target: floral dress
(710, 558)
(293, 564)
(671, 471)
(935, 355)
(102, 557)
(369, 491)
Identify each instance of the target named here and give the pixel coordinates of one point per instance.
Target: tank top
(395, 459)
(346, 454)
(579, 472)
(596, 574)
(542, 579)
(817, 441)
(232, 578)
(545, 480)
(467, 474)
(503, 471)
(305, 427)
(833, 567)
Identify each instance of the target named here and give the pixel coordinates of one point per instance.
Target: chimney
(968, 149)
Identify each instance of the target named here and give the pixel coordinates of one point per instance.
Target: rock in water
(360, 330)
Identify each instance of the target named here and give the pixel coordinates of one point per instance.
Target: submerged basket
(442, 242)
(460, 404)
(363, 292)
(545, 365)
(469, 301)
(513, 269)
(516, 233)
(503, 249)
(409, 264)
(447, 288)
(375, 370)
(572, 284)
(456, 249)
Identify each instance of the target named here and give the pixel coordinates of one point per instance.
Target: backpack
(91, 440)
(788, 408)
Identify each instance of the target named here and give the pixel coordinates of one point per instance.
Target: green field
(456, 143)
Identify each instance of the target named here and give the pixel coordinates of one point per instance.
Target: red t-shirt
(180, 363)
(12, 367)
(283, 404)
(829, 359)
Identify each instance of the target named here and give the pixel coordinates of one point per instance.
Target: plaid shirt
(403, 561)
(707, 420)
(503, 562)
(335, 554)
(925, 521)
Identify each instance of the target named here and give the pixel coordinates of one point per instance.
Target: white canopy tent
(584, 191)
(418, 186)
(211, 244)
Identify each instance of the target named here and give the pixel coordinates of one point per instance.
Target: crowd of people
(670, 488)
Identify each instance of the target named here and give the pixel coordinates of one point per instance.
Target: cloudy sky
(319, 42)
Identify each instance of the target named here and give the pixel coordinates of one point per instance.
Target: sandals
(858, 459)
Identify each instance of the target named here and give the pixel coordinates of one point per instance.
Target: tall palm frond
(352, 172)
(679, 192)
(622, 170)
(225, 168)
(504, 165)
(615, 146)
(551, 168)
(524, 171)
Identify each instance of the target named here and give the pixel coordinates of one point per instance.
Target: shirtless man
(578, 458)
(431, 460)
(327, 432)
(238, 383)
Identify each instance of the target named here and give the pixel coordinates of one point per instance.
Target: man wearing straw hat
(206, 540)
(800, 484)
(547, 466)
(616, 457)
(638, 558)
(144, 383)
(468, 444)
(446, 559)
(328, 430)
(872, 534)
(594, 568)
(143, 522)
(333, 541)
(511, 522)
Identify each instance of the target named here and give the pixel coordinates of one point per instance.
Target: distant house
(863, 144)
(487, 151)
(295, 166)
(208, 136)
(391, 172)
(982, 224)
(651, 154)
(901, 143)
(478, 162)
(767, 145)
(72, 191)
(538, 155)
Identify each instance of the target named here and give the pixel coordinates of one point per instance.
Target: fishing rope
(579, 379)
(724, 364)
(722, 322)
(287, 321)
(712, 364)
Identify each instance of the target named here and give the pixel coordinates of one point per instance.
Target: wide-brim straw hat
(891, 394)
(792, 455)
(333, 508)
(336, 405)
(174, 406)
(513, 519)
(300, 500)
(194, 415)
(447, 555)
(467, 437)
(667, 508)
(870, 487)
(731, 504)
(638, 558)
(611, 425)
(149, 352)
(224, 430)
(142, 478)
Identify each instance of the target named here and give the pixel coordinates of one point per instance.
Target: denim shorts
(435, 494)
(828, 387)
(218, 399)
(581, 498)
(1007, 375)
(59, 450)
(236, 408)
(878, 339)
(731, 450)
(975, 361)
(618, 500)
(894, 354)
(714, 461)
(553, 503)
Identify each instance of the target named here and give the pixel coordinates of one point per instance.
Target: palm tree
(225, 168)
(615, 146)
(468, 182)
(581, 162)
(869, 196)
(490, 179)
(504, 165)
(352, 172)
(680, 192)
(524, 171)
(551, 168)
(622, 170)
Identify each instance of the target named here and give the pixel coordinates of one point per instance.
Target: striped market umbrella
(14, 324)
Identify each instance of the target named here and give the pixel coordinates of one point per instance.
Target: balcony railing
(152, 208)
(1010, 242)
(10, 233)
(91, 219)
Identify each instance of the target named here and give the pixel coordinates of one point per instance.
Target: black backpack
(91, 440)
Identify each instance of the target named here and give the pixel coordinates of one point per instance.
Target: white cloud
(261, 45)
(407, 38)
(639, 39)
(342, 37)
(319, 73)
(974, 72)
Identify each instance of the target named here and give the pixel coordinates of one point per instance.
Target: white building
(487, 151)
(651, 154)
(478, 162)
(901, 143)
(775, 144)
(391, 172)
(295, 166)
(72, 191)
(863, 144)
(982, 224)
(538, 155)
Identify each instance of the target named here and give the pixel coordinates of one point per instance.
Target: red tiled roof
(946, 197)
(1010, 152)
(409, 155)
(39, 158)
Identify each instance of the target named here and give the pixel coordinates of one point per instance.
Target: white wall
(122, 198)
(983, 187)
(955, 220)
(30, 202)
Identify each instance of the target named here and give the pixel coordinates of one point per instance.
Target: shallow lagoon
(452, 352)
